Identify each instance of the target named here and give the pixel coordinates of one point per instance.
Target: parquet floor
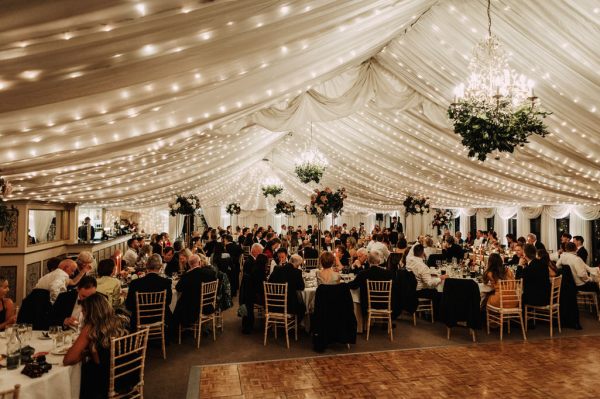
(559, 368)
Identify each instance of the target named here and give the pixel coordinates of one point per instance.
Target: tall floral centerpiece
(286, 208)
(186, 205)
(442, 219)
(416, 205)
(233, 209)
(324, 202)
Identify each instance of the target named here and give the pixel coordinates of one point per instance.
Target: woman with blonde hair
(184, 256)
(92, 347)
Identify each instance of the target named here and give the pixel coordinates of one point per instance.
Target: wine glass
(54, 332)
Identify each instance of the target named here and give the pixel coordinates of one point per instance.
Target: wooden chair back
(11, 393)
(276, 298)
(127, 361)
(379, 294)
(208, 295)
(311, 263)
(555, 283)
(510, 293)
(150, 307)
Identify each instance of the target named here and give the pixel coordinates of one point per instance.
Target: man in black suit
(290, 274)
(532, 239)
(373, 273)
(151, 282)
(307, 251)
(452, 250)
(86, 231)
(536, 279)
(235, 252)
(172, 261)
(66, 311)
(395, 229)
(360, 263)
(189, 286)
(581, 251)
(251, 289)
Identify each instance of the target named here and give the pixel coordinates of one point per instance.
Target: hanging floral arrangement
(326, 201)
(233, 208)
(308, 172)
(184, 205)
(287, 208)
(416, 205)
(272, 189)
(442, 218)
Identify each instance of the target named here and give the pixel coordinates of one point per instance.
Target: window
(457, 224)
(595, 244)
(489, 223)
(512, 226)
(44, 226)
(473, 226)
(535, 227)
(562, 226)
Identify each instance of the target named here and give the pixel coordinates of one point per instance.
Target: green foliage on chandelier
(287, 208)
(233, 208)
(272, 189)
(308, 172)
(487, 127)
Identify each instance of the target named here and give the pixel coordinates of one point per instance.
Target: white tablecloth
(61, 382)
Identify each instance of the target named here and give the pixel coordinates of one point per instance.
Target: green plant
(308, 172)
(272, 189)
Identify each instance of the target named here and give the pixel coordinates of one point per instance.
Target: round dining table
(60, 382)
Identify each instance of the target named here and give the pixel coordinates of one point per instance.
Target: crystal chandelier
(497, 109)
(311, 164)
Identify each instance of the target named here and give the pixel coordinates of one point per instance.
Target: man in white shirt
(426, 284)
(57, 281)
(579, 269)
(131, 256)
(480, 240)
(380, 247)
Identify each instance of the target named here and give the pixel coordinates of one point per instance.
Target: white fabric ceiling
(128, 102)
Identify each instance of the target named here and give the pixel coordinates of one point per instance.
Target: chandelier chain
(489, 15)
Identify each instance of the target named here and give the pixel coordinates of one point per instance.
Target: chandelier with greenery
(497, 109)
(311, 164)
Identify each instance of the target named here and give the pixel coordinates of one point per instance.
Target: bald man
(58, 280)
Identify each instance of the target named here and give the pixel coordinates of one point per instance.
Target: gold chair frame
(549, 312)
(509, 291)
(150, 306)
(276, 297)
(379, 292)
(132, 347)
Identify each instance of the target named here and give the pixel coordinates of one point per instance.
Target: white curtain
(212, 214)
(548, 225)
(582, 227)
(501, 222)
(482, 215)
(41, 221)
(465, 219)
(523, 216)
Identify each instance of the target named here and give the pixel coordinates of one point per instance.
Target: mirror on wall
(44, 226)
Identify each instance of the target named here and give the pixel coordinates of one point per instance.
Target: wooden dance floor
(559, 368)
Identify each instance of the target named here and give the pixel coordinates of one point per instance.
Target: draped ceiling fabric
(124, 103)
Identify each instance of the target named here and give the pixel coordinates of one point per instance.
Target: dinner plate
(59, 352)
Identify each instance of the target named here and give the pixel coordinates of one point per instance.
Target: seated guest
(144, 255)
(580, 270)
(158, 244)
(581, 251)
(272, 246)
(452, 250)
(252, 289)
(290, 274)
(189, 287)
(425, 282)
(131, 255)
(379, 246)
(342, 256)
(564, 239)
(8, 316)
(536, 279)
(85, 265)
(57, 281)
(172, 261)
(492, 275)
(480, 239)
(52, 264)
(281, 257)
(402, 246)
(511, 241)
(360, 263)
(351, 246)
(469, 239)
(544, 256)
(66, 311)
(107, 284)
(327, 275)
(327, 243)
(92, 347)
(458, 238)
(183, 257)
(519, 257)
(532, 239)
(307, 251)
(151, 282)
(522, 241)
(428, 247)
(209, 247)
(373, 273)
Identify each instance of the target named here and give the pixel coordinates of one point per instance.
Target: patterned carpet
(559, 368)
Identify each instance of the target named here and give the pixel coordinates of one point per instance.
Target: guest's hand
(71, 322)
(443, 277)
